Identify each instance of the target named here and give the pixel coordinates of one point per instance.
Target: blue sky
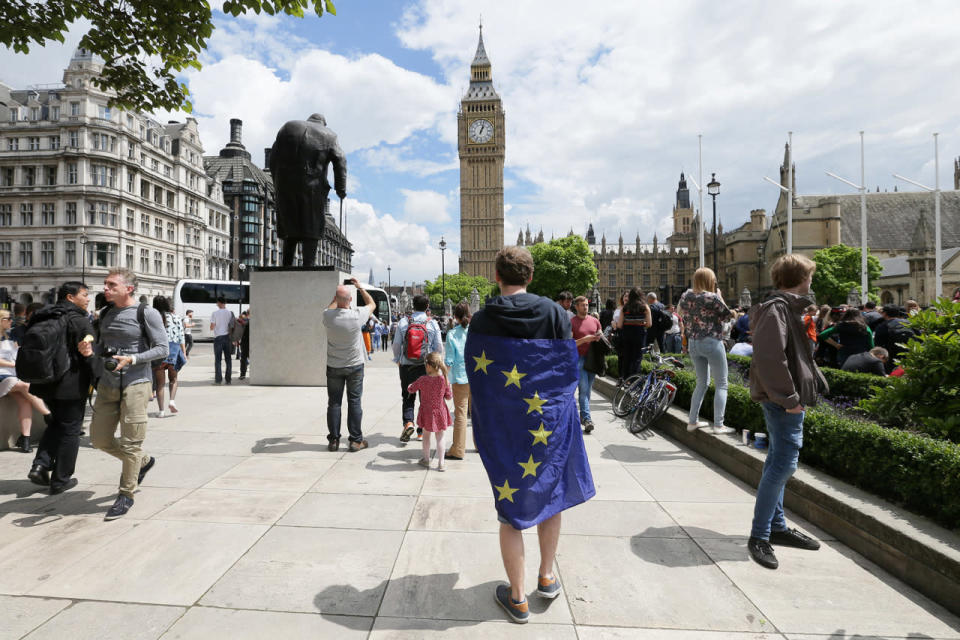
(603, 105)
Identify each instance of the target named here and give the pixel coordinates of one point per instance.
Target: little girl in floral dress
(433, 416)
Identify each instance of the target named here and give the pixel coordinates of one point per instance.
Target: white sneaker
(161, 414)
(723, 430)
(699, 424)
(172, 406)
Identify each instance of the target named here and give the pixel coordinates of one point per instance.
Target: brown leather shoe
(357, 446)
(333, 445)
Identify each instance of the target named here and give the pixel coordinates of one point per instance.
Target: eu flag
(526, 425)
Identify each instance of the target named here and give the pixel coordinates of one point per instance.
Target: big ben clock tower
(480, 141)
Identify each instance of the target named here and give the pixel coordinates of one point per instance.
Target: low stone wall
(921, 553)
(10, 424)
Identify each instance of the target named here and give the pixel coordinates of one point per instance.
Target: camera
(107, 354)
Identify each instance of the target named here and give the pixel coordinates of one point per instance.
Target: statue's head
(318, 117)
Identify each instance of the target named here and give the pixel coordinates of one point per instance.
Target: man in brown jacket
(785, 380)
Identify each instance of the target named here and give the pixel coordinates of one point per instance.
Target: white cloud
(425, 206)
(403, 160)
(381, 240)
(603, 106)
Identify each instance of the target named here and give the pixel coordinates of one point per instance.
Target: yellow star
(482, 362)
(540, 435)
(535, 403)
(529, 467)
(505, 491)
(513, 377)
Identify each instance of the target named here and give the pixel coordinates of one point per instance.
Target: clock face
(481, 130)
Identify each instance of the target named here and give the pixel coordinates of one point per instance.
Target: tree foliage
(458, 288)
(838, 269)
(144, 43)
(563, 264)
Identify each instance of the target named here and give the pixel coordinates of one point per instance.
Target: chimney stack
(266, 158)
(236, 130)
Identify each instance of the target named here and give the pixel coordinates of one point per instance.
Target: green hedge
(842, 383)
(918, 472)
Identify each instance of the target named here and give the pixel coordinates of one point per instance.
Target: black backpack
(662, 322)
(43, 356)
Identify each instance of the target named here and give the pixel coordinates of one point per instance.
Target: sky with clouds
(603, 104)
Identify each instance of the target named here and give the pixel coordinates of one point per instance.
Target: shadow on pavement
(654, 554)
(421, 596)
(284, 445)
(631, 454)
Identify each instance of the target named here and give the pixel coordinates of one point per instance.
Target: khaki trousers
(128, 408)
(461, 407)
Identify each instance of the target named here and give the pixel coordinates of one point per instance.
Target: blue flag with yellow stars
(526, 425)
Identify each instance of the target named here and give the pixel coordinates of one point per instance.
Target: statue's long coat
(298, 162)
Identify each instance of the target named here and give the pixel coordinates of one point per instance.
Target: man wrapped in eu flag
(522, 366)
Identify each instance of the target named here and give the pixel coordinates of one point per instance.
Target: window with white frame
(144, 261)
(157, 262)
(6, 215)
(74, 108)
(70, 212)
(55, 113)
(158, 228)
(26, 214)
(131, 180)
(48, 213)
(130, 220)
(5, 254)
(103, 111)
(170, 264)
(6, 177)
(73, 138)
(144, 224)
(33, 143)
(72, 173)
(129, 257)
(13, 144)
(46, 253)
(70, 253)
(34, 113)
(51, 175)
(26, 254)
(102, 254)
(29, 176)
(114, 219)
(54, 142)
(171, 232)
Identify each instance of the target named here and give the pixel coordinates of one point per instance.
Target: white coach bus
(201, 296)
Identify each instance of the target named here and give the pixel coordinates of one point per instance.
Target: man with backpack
(662, 322)
(131, 338)
(417, 336)
(56, 359)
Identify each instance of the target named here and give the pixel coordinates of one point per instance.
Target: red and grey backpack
(415, 341)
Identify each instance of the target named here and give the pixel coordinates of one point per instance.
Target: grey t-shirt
(344, 339)
(120, 330)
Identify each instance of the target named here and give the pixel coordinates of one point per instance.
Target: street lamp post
(83, 258)
(443, 271)
(713, 188)
(862, 188)
(938, 259)
(240, 270)
(388, 280)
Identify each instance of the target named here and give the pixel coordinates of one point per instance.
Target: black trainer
(145, 468)
(60, 488)
(39, 475)
(793, 538)
(762, 553)
(119, 508)
(588, 426)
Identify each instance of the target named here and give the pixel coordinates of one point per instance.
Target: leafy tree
(563, 264)
(458, 288)
(927, 397)
(838, 269)
(144, 43)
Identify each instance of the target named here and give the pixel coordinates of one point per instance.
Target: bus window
(198, 292)
(231, 293)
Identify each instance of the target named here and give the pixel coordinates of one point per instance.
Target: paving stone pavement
(249, 528)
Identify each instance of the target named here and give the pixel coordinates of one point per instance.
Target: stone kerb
(921, 553)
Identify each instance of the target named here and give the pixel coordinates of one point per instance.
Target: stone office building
(85, 187)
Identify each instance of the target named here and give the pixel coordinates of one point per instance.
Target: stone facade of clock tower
(481, 143)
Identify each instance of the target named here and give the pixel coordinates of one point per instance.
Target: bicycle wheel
(625, 399)
(651, 408)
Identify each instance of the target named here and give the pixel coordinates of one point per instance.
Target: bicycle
(644, 397)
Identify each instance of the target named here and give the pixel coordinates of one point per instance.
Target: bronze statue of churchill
(298, 162)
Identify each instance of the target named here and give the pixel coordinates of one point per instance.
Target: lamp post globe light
(241, 268)
(443, 274)
(713, 188)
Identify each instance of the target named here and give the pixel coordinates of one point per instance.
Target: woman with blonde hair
(16, 388)
(704, 312)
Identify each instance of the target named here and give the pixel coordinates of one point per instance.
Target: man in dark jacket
(785, 380)
(298, 163)
(892, 332)
(66, 398)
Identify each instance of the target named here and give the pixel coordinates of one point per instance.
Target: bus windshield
(383, 306)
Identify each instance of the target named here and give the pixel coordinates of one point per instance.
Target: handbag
(596, 359)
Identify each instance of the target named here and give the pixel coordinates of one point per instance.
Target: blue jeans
(583, 390)
(337, 378)
(785, 432)
(221, 349)
(672, 342)
(709, 357)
